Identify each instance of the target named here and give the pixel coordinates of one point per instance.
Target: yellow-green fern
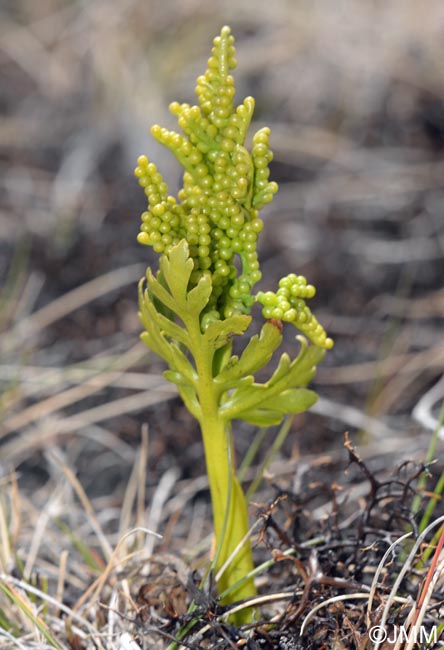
(202, 295)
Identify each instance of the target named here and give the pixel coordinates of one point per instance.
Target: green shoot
(202, 296)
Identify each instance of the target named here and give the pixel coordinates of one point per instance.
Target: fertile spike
(224, 188)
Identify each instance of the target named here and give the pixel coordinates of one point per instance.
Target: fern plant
(202, 295)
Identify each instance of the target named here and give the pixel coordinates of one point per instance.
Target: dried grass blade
(36, 620)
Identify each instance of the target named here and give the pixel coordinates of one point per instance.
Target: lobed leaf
(273, 411)
(176, 268)
(261, 417)
(256, 355)
(186, 390)
(156, 325)
(199, 296)
(219, 332)
(172, 329)
(152, 337)
(181, 363)
(160, 292)
(292, 400)
(288, 375)
(299, 371)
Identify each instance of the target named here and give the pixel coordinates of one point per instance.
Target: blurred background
(354, 95)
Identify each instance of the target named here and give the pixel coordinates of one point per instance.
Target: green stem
(228, 501)
(423, 478)
(229, 510)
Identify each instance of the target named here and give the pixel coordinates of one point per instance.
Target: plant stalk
(227, 498)
(230, 511)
